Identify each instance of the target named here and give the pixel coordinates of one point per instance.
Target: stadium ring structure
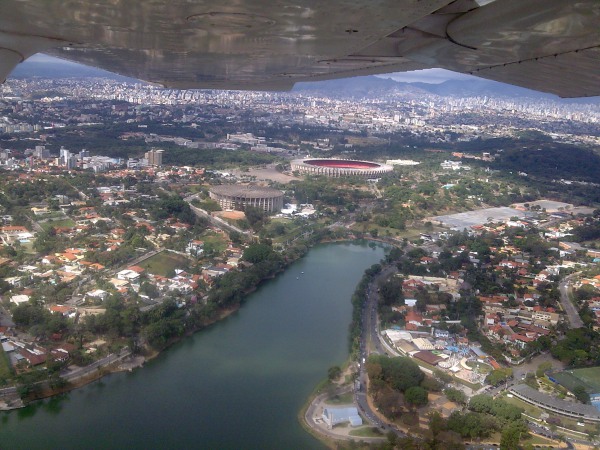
(340, 167)
(237, 197)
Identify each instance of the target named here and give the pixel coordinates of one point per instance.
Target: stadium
(237, 197)
(340, 167)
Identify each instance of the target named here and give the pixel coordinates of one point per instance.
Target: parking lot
(468, 219)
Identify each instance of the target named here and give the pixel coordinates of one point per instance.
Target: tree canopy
(399, 373)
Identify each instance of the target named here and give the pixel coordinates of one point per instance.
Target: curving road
(216, 221)
(567, 305)
(371, 343)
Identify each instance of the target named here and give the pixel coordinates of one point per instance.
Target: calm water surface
(237, 385)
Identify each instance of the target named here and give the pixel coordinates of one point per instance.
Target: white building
(128, 275)
(195, 248)
(98, 293)
(18, 299)
(334, 416)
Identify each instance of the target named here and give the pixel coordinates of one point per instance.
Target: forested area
(358, 300)
(397, 385)
(552, 161)
(185, 156)
(589, 230)
(580, 347)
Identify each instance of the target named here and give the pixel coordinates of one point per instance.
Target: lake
(237, 385)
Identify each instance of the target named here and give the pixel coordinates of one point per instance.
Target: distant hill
(372, 86)
(64, 69)
(369, 86)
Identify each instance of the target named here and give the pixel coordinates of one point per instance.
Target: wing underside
(547, 45)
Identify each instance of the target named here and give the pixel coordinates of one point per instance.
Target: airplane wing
(546, 45)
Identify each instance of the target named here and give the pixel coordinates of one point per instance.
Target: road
(79, 372)
(371, 343)
(567, 305)
(216, 221)
(96, 365)
(139, 259)
(369, 340)
(5, 317)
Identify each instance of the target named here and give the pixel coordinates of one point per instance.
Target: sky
(41, 58)
(432, 76)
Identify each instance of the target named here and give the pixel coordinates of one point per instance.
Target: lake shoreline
(13, 402)
(263, 363)
(118, 366)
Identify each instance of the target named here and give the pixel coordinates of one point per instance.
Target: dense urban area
(133, 216)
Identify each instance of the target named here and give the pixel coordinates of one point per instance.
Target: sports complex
(340, 167)
(237, 197)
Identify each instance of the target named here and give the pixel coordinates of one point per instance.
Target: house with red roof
(414, 318)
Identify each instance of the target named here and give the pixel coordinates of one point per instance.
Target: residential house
(195, 248)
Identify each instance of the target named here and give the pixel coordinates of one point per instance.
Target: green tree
(511, 436)
(498, 376)
(456, 395)
(399, 373)
(334, 373)
(581, 394)
(543, 368)
(256, 217)
(258, 252)
(416, 396)
(390, 291)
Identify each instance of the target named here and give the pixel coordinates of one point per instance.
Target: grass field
(530, 410)
(589, 378)
(590, 375)
(165, 263)
(217, 241)
(28, 248)
(483, 368)
(57, 223)
(341, 399)
(542, 441)
(366, 432)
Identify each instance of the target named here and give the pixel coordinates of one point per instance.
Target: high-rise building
(154, 157)
(64, 156)
(41, 152)
(71, 162)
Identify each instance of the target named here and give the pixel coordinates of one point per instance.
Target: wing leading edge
(547, 45)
